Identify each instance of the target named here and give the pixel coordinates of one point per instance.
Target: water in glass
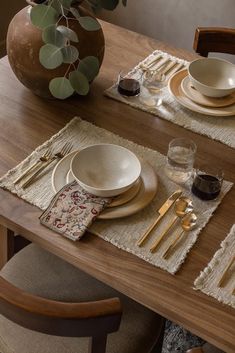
(180, 159)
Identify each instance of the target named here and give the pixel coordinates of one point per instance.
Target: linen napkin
(72, 211)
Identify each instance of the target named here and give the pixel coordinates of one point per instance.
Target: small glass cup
(180, 159)
(153, 81)
(207, 182)
(129, 84)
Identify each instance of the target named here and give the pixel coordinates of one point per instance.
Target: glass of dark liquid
(207, 183)
(129, 85)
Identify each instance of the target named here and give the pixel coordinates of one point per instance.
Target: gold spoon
(182, 206)
(188, 222)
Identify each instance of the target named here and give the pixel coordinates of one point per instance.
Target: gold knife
(162, 211)
(150, 63)
(169, 67)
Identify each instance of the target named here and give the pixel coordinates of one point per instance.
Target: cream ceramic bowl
(212, 77)
(105, 169)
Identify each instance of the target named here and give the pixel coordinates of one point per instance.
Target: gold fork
(44, 158)
(58, 155)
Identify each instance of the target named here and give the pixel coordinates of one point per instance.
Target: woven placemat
(209, 279)
(217, 128)
(122, 232)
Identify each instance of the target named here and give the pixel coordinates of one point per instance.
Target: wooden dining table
(27, 120)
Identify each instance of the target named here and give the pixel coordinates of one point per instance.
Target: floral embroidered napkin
(72, 211)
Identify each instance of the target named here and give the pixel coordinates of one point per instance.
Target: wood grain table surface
(26, 121)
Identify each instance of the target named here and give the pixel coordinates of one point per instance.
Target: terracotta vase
(24, 41)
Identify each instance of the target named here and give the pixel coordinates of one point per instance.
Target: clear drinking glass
(153, 81)
(180, 159)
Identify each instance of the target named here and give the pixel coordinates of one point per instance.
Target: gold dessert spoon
(188, 222)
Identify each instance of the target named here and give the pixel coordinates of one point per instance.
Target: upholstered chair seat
(40, 273)
(206, 348)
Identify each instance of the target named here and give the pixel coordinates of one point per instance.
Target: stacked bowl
(105, 169)
(212, 77)
(206, 86)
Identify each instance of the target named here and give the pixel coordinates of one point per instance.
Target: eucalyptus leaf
(59, 4)
(50, 56)
(56, 5)
(70, 54)
(89, 66)
(79, 82)
(61, 88)
(50, 35)
(68, 33)
(42, 16)
(109, 4)
(66, 3)
(75, 12)
(89, 23)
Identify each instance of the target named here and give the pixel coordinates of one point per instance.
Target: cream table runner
(209, 278)
(217, 128)
(123, 232)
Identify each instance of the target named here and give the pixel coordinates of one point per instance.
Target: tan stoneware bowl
(212, 77)
(105, 169)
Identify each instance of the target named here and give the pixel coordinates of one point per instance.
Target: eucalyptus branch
(67, 71)
(60, 44)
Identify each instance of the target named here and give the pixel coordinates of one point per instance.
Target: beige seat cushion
(41, 273)
(206, 348)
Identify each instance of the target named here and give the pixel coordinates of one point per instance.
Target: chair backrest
(214, 39)
(87, 319)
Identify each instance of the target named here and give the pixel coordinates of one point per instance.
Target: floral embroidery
(72, 211)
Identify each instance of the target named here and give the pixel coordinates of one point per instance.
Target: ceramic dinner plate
(146, 193)
(199, 98)
(120, 199)
(174, 86)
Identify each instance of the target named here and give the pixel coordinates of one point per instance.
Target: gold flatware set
(44, 158)
(160, 66)
(183, 208)
(41, 164)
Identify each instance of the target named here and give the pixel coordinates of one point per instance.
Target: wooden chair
(214, 39)
(49, 306)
